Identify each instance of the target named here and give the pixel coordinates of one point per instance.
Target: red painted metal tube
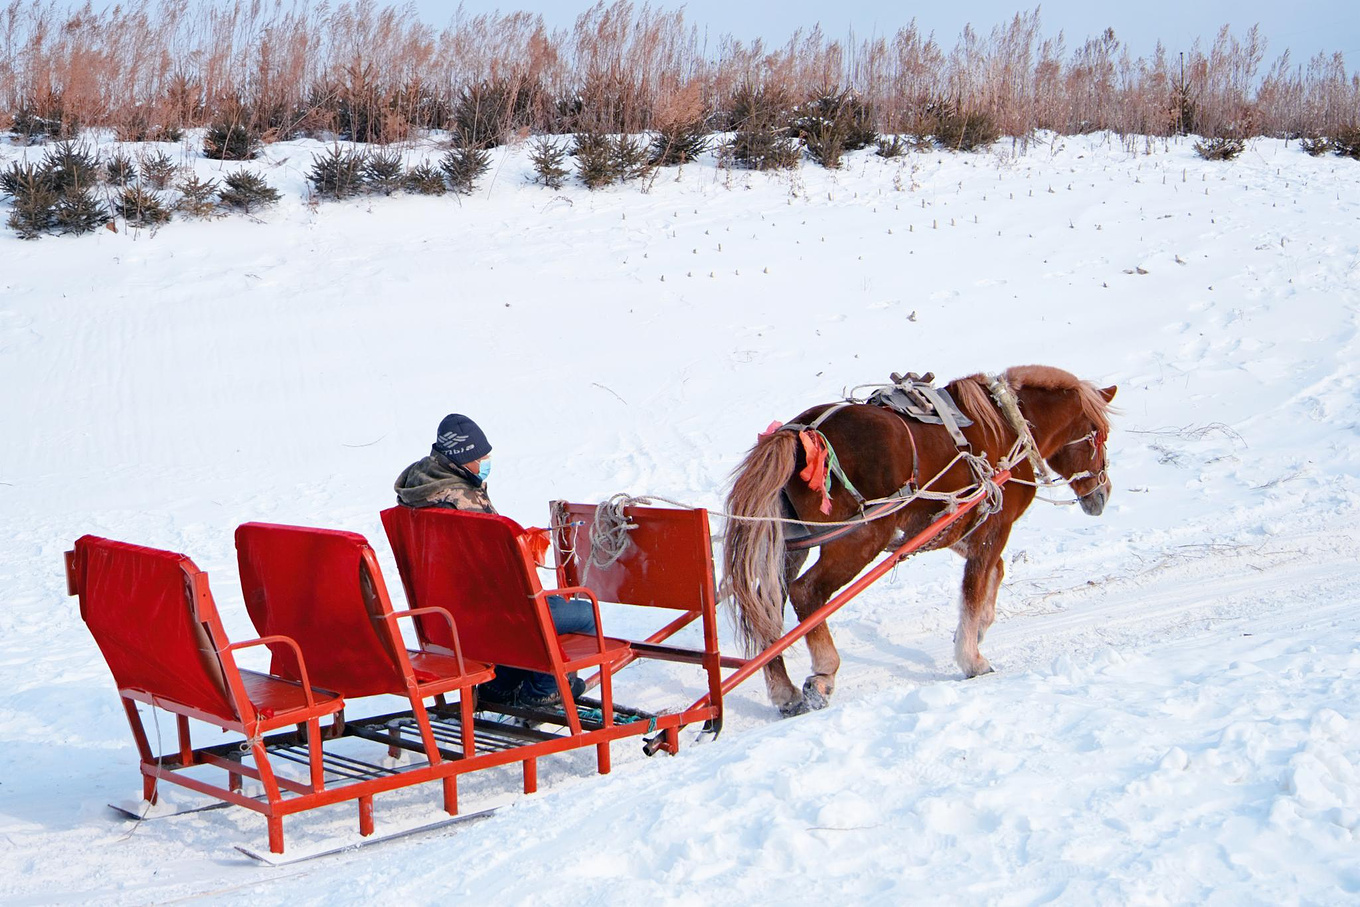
(839, 600)
(666, 632)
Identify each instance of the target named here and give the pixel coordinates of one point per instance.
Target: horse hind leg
(783, 694)
(826, 661)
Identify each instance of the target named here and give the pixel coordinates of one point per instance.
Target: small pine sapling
(548, 159)
(759, 119)
(763, 148)
(34, 210)
(956, 129)
(16, 176)
(1346, 142)
(1220, 149)
(338, 174)
(483, 113)
(632, 159)
(1315, 145)
(197, 197)
(425, 179)
(44, 117)
(141, 207)
(120, 170)
(832, 123)
(464, 166)
(78, 211)
(230, 142)
(383, 172)
(158, 170)
(67, 165)
(595, 161)
(679, 143)
(246, 191)
(891, 148)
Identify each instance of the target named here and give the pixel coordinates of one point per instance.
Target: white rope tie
(609, 533)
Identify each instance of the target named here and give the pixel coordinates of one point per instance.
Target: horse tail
(753, 547)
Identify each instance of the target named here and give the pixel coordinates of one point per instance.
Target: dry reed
(374, 72)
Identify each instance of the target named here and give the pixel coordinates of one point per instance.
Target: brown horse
(883, 455)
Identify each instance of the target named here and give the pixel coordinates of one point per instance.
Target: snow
(1174, 713)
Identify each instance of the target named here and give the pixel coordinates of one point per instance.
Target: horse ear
(1109, 392)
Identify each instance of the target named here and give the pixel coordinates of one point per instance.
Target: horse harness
(914, 399)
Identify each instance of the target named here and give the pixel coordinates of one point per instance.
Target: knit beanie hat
(460, 440)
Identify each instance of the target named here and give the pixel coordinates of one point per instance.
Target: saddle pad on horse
(915, 397)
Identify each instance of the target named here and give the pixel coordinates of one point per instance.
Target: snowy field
(1175, 716)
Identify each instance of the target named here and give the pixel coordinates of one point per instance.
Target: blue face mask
(484, 470)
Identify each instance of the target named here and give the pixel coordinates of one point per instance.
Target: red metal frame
(153, 616)
(668, 564)
(324, 589)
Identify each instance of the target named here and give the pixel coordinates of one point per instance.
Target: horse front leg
(981, 578)
(988, 614)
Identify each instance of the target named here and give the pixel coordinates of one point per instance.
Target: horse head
(1081, 459)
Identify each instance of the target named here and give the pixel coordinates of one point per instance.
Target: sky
(1305, 27)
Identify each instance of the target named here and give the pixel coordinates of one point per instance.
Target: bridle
(1096, 438)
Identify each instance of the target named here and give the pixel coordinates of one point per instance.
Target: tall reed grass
(374, 72)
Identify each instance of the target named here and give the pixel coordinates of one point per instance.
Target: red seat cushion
(280, 702)
(436, 673)
(580, 650)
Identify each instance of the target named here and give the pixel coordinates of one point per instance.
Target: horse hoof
(985, 669)
(791, 709)
(814, 697)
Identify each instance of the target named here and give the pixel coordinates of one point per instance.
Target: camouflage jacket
(437, 482)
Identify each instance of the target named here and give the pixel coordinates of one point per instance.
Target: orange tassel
(537, 540)
(814, 447)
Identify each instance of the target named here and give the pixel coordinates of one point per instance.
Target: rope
(1006, 401)
(587, 713)
(983, 473)
(609, 532)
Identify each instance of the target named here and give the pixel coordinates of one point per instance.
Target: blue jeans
(569, 615)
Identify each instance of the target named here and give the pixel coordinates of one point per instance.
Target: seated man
(454, 475)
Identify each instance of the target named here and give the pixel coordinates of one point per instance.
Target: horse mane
(1093, 405)
(975, 400)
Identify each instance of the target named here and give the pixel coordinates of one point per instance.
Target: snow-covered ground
(1175, 716)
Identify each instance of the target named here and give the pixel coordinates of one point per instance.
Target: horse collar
(1009, 405)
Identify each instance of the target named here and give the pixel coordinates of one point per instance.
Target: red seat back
(152, 616)
(473, 565)
(668, 562)
(316, 587)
